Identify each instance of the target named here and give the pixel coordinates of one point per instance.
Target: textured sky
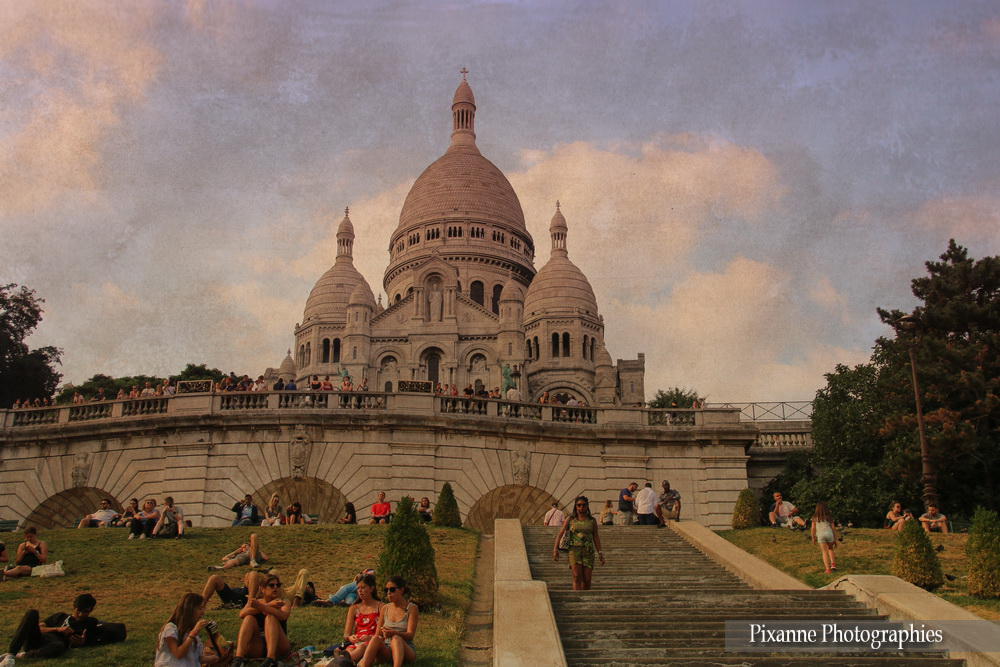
(743, 182)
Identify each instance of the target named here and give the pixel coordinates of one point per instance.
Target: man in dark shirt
(246, 512)
(61, 631)
(626, 505)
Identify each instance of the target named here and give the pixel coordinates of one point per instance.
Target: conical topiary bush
(746, 513)
(407, 552)
(982, 553)
(446, 509)
(914, 559)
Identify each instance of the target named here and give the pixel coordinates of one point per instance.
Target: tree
(24, 372)
(407, 552)
(200, 372)
(446, 510)
(675, 397)
(746, 513)
(866, 446)
(982, 553)
(914, 559)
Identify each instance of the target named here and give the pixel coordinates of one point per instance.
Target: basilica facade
(465, 303)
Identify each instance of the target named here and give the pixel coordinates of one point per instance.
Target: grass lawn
(863, 551)
(138, 582)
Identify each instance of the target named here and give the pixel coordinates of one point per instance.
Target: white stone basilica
(465, 301)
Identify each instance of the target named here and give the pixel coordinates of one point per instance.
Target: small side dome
(286, 371)
(603, 358)
(464, 94)
(512, 292)
(362, 296)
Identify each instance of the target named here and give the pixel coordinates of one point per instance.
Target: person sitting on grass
(62, 631)
(294, 515)
(246, 512)
(397, 626)
(784, 513)
(424, 510)
(129, 514)
(362, 619)
(103, 517)
(3, 552)
(380, 510)
(171, 523)
(350, 515)
(933, 521)
(248, 553)
(144, 522)
(302, 592)
(232, 598)
(178, 644)
(30, 553)
(264, 627)
(273, 512)
(896, 516)
(346, 594)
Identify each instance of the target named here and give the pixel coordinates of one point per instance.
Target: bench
(8, 525)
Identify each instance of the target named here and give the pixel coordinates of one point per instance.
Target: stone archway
(317, 496)
(512, 501)
(66, 508)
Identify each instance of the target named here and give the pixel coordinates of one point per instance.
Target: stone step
(757, 660)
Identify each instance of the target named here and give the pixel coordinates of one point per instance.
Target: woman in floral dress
(583, 543)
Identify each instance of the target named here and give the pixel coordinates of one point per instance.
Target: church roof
(560, 287)
(287, 366)
(362, 295)
(332, 292)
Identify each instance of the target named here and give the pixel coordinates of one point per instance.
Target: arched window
(398, 297)
(302, 356)
(631, 387)
(476, 293)
(458, 286)
(555, 345)
(510, 349)
(336, 350)
(326, 350)
(585, 346)
(308, 353)
(496, 299)
(565, 350)
(538, 350)
(527, 349)
(409, 291)
(355, 355)
(434, 367)
(592, 348)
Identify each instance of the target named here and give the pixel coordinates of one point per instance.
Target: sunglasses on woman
(274, 585)
(391, 589)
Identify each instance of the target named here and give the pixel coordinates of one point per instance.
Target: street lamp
(908, 331)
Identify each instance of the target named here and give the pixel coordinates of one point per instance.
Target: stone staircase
(659, 601)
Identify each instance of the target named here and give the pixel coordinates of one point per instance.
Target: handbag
(564, 542)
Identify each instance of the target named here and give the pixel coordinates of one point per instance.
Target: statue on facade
(298, 452)
(81, 469)
(435, 300)
(508, 381)
(521, 466)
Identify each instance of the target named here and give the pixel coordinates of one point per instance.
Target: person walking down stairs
(583, 542)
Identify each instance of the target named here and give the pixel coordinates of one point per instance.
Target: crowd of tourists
(377, 629)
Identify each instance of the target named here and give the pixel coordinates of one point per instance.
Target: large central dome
(462, 182)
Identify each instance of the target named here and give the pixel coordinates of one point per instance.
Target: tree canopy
(111, 385)
(675, 397)
(867, 449)
(24, 372)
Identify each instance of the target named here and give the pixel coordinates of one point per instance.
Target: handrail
(770, 410)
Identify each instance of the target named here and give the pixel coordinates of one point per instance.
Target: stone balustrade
(215, 403)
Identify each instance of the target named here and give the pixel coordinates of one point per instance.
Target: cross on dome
(464, 71)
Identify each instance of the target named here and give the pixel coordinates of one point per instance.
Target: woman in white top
(178, 644)
(397, 625)
(273, 512)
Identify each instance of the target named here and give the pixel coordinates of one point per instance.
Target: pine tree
(407, 552)
(914, 559)
(446, 511)
(982, 553)
(746, 513)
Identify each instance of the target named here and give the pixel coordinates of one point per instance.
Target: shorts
(783, 520)
(824, 536)
(934, 528)
(233, 595)
(244, 558)
(93, 523)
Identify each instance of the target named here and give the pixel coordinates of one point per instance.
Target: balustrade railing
(785, 439)
(514, 410)
(573, 414)
(89, 411)
(673, 417)
(463, 406)
(35, 417)
(144, 406)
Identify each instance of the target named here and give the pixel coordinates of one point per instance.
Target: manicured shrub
(407, 552)
(914, 559)
(746, 513)
(446, 509)
(982, 553)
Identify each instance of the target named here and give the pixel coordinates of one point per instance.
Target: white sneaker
(254, 563)
(142, 536)
(131, 536)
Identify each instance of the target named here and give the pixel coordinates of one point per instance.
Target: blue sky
(743, 182)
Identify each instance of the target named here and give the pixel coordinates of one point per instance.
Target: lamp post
(910, 327)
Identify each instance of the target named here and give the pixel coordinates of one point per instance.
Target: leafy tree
(676, 397)
(446, 510)
(199, 372)
(407, 552)
(24, 372)
(867, 449)
(914, 559)
(111, 385)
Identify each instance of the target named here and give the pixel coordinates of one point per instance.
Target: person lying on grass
(232, 597)
(61, 631)
(248, 554)
(264, 627)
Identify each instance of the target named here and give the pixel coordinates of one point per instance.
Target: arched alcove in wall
(315, 495)
(66, 508)
(512, 501)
